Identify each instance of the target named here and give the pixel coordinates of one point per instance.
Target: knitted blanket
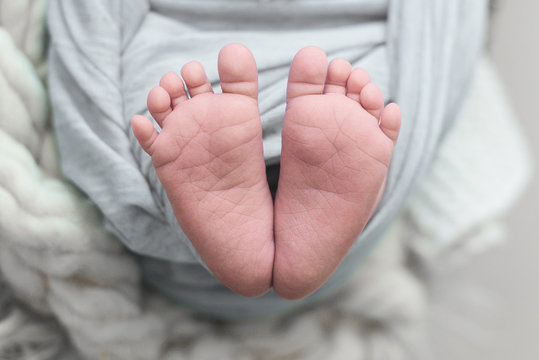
(69, 290)
(105, 56)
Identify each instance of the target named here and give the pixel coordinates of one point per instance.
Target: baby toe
(195, 79)
(144, 132)
(173, 84)
(372, 100)
(356, 82)
(159, 104)
(390, 121)
(338, 73)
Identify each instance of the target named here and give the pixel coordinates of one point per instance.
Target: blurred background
(507, 327)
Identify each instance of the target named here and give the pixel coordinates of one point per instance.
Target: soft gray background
(509, 273)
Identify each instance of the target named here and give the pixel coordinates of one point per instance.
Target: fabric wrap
(105, 56)
(70, 291)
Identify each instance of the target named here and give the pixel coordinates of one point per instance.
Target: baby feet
(209, 159)
(334, 163)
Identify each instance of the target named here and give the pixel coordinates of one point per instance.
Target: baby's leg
(209, 159)
(334, 163)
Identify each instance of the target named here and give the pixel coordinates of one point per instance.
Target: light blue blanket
(106, 55)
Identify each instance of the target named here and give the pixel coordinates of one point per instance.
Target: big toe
(237, 71)
(308, 72)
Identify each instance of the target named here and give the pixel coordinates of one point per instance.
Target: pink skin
(335, 157)
(209, 159)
